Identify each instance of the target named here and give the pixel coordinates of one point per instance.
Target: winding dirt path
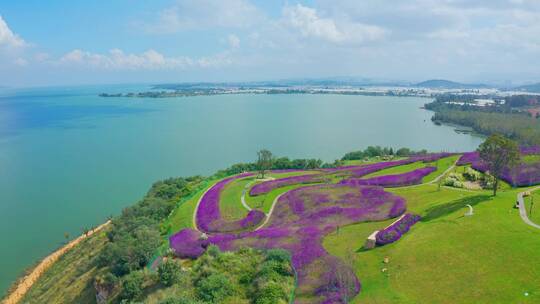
(26, 283)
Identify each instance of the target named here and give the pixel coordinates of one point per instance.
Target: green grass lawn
(397, 170)
(534, 216)
(355, 162)
(264, 202)
(182, 216)
(448, 258)
(230, 199)
(530, 159)
(442, 165)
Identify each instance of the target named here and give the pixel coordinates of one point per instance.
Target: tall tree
(264, 161)
(499, 153)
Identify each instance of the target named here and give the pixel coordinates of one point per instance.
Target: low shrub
(396, 230)
(169, 273)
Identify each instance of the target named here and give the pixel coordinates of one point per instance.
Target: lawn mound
(209, 217)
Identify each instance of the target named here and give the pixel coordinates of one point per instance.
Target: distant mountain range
(532, 88)
(447, 84)
(353, 82)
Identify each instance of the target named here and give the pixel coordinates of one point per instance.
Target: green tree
(169, 273)
(499, 153)
(214, 288)
(132, 285)
(264, 161)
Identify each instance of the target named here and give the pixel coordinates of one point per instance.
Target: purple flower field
(268, 186)
(301, 218)
(398, 180)
(209, 216)
(372, 168)
(355, 171)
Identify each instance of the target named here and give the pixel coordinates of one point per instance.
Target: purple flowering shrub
(468, 158)
(397, 180)
(355, 171)
(209, 216)
(372, 168)
(396, 230)
(301, 219)
(188, 243)
(268, 186)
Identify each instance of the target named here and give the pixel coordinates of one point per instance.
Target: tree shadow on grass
(438, 211)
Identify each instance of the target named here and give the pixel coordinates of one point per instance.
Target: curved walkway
(523, 210)
(246, 187)
(270, 212)
(26, 283)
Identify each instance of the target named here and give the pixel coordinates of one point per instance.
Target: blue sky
(125, 41)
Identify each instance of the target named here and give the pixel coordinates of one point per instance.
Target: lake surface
(69, 159)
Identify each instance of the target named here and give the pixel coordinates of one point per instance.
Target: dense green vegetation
(246, 276)
(135, 235)
(377, 151)
(517, 126)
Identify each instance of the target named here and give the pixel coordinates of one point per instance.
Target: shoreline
(24, 284)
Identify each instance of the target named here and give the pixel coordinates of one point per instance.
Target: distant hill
(533, 88)
(447, 84)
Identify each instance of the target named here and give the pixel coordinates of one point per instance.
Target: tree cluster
(374, 151)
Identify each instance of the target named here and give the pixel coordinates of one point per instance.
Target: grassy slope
(397, 170)
(441, 165)
(229, 201)
(70, 280)
(182, 216)
(447, 258)
(530, 158)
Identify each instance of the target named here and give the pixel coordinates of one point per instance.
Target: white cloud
(117, 59)
(310, 24)
(204, 14)
(234, 41)
(21, 62)
(7, 38)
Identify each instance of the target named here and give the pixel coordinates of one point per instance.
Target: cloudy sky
(129, 41)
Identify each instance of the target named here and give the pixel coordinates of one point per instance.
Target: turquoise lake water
(69, 159)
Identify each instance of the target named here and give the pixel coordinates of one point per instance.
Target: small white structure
(371, 241)
(471, 211)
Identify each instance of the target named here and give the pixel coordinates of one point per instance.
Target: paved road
(523, 210)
